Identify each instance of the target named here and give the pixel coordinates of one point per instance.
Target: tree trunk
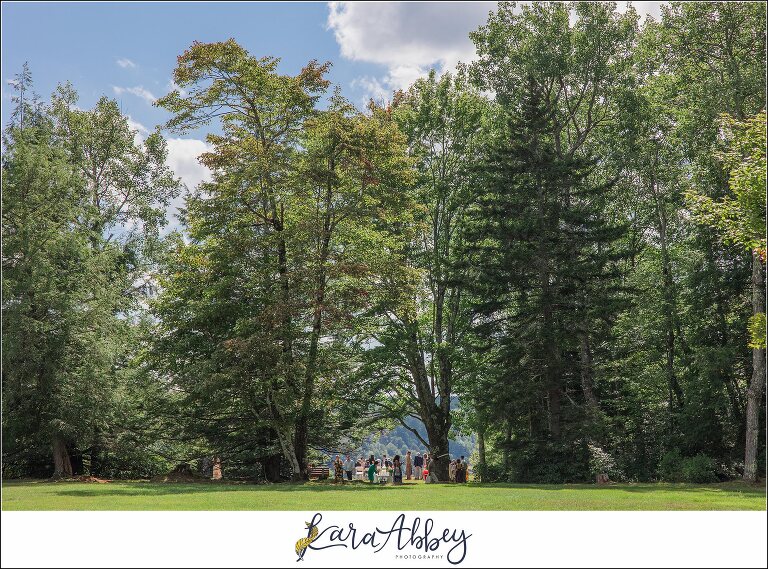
(668, 290)
(286, 441)
(438, 447)
(669, 319)
(271, 466)
(587, 385)
(506, 458)
(216, 473)
(482, 463)
(302, 425)
(551, 352)
(289, 451)
(755, 400)
(62, 465)
(435, 415)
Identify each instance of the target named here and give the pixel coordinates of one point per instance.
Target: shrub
(671, 466)
(601, 462)
(550, 463)
(700, 469)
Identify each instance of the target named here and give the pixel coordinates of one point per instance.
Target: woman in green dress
(371, 471)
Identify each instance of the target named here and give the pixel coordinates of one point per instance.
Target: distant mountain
(399, 440)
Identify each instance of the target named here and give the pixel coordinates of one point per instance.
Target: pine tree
(545, 258)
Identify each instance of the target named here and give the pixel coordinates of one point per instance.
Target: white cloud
(139, 91)
(652, 9)
(140, 131)
(124, 62)
(372, 87)
(182, 159)
(408, 38)
(172, 86)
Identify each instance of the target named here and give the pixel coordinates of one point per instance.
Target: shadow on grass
(145, 488)
(642, 488)
(164, 489)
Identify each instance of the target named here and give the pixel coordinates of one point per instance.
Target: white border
(498, 539)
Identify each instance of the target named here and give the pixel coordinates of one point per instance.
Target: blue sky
(124, 49)
(127, 50)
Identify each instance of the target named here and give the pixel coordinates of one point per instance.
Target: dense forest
(566, 236)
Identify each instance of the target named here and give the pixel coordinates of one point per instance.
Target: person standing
(408, 465)
(371, 471)
(349, 467)
(338, 470)
(397, 471)
(431, 465)
(452, 467)
(418, 464)
(460, 472)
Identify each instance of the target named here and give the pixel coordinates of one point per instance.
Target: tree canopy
(552, 256)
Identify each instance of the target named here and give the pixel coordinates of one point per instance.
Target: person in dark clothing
(397, 470)
(418, 465)
(461, 470)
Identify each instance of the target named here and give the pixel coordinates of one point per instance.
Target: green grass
(362, 496)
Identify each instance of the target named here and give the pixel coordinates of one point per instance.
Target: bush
(699, 469)
(601, 462)
(671, 466)
(550, 463)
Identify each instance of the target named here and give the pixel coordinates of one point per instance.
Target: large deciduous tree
(300, 207)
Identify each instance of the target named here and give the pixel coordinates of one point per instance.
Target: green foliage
(671, 466)
(69, 281)
(550, 463)
(740, 218)
(519, 253)
(757, 331)
(698, 469)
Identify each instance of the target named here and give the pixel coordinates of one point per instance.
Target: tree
(419, 336)
(580, 75)
(68, 287)
(545, 244)
(741, 219)
(716, 54)
(304, 197)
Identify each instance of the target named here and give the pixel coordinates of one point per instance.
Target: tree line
(567, 236)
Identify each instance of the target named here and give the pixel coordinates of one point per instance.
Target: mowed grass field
(39, 495)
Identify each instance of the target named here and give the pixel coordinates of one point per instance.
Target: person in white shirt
(349, 467)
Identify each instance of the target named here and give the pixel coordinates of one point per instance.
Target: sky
(127, 50)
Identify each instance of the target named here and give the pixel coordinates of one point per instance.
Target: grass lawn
(40, 495)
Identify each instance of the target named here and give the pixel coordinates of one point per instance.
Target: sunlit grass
(362, 496)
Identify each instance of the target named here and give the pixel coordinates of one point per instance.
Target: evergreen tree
(545, 276)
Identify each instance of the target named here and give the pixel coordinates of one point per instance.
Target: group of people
(413, 467)
(457, 470)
